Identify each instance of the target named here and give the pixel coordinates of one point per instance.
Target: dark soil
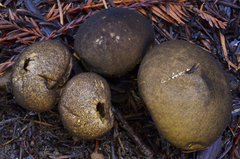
(28, 135)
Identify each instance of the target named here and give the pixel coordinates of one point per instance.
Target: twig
(68, 156)
(15, 32)
(237, 139)
(60, 12)
(17, 136)
(25, 148)
(111, 3)
(236, 153)
(38, 122)
(123, 123)
(112, 150)
(205, 30)
(75, 23)
(231, 131)
(105, 4)
(222, 39)
(96, 146)
(229, 4)
(56, 114)
(226, 151)
(120, 142)
(8, 142)
(9, 120)
(132, 115)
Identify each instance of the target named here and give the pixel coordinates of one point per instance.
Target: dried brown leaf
(180, 12)
(186, 12)
(57, 11)
(26, 40)
(32, 29)
(13, 32)
(172, 14)
(163, 15)
(3, 22)
(205, 44)
(18, 35)
(8, 27)
(214, 20)
(67, 6)
(20, 17)
(6, 64)
(36, 25)
(56, 14)
(11, 15)
(187, 30)
(174, 10)
(144, 12)
(15, 16)
(50, 12)
(204, 15)
(211, 20)
(222, 40)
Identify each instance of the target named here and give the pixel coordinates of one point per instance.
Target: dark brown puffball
(113, 41)
(85, 106)
(39, 73)
(191, 109)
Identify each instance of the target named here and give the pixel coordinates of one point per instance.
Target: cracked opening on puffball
(26, 62)
(100, 109)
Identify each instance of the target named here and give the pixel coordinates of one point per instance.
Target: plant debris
(214, 25)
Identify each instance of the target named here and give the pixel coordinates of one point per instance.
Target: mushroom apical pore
(113, 41)
(186, 93)
(39, 74)
(85, 106)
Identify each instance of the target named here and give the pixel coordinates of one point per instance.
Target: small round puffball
(39, 74)
(85, 106)
(113, 41)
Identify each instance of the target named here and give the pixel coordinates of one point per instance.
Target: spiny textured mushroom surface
(113, 41)
(190, 110)
(85, 106)
(39, 73)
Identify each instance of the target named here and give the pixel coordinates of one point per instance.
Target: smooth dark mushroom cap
(39, 73)
(113, 41)
(85, 106)
(190, 110)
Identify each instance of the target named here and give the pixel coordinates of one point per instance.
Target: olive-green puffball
(186, 93)
(85, 106)
(39, 74)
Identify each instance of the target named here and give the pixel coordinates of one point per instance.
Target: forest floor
(213, 25)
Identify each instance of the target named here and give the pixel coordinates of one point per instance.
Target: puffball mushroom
(85, 106)
(39, 73)
(191, 109)
(113, 41)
